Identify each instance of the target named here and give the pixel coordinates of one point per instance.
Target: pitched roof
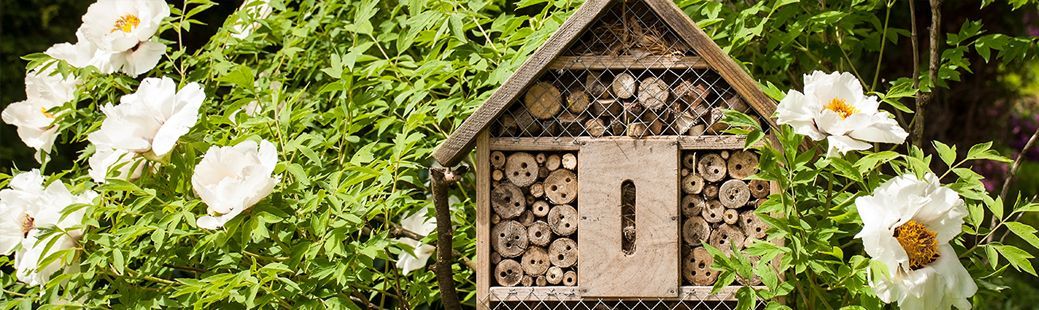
(452, 150)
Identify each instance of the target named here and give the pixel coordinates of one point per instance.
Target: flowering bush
(279, 164)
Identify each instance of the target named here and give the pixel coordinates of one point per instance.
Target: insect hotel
(603, 167)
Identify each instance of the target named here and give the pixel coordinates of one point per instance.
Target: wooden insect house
(603, 167)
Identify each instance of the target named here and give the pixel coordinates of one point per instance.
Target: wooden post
(441, 178)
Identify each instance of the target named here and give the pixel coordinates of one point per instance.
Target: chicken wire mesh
(567, 300)
(627, 75)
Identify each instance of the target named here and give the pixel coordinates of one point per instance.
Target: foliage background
(357, 94)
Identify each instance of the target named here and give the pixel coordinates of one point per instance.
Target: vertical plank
(652, 270)
(483, 220)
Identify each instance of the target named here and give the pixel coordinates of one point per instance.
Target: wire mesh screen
(691, 298)
(627, 75)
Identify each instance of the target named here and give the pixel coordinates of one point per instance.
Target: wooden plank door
(624, 253)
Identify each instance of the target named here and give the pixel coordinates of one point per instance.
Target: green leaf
(946, 153)
(1024, 231)
(984, 151)
(1017, 257)
(241, 76)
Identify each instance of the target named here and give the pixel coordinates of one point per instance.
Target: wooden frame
(709, 142)
(627, 62)
(564, 293)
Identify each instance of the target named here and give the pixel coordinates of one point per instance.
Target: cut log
(543, 100)
(759, 188)
(495, 218)
(526, 124)
(684, 122)
(695, 231)
(570, 123)
(537, 190)
(713, 212)
(689, 161)
(508, 273)
(521, 169)
(543, 172)
(539, 234)
(578, 101)
(637, 130)
(725, 237)
(609, 108)
(595, 86)
(554, 275)
(535, 261)
(563, 252)
(617, 128)
(737, 104)
(563, 220)
(509, 239)
(731, 217)
(714, 122)
(753, 226)
(508, 127)
(724, 154)
(710, 191)
(569, 161)
(734, 194)
(624, 86)
(527, 280)
(742, 164)
(540, 281)
(684, 172)
(530, 199)
(656, 127)
(697, 267)
(561, 186)
(553, 162)
(697, 130)
(527, 218)
(497, 159)
(692, 94)
(570, 278)
(595, 127)
(692, 184)
(497, 175)
(507, 200)
(693, 205)
(495, 258)
(653, 93)
(540, 158)
(711, 167)
(539, 208)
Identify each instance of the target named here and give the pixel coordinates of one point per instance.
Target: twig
(441, 179)
(922, 99)
(1017, 164)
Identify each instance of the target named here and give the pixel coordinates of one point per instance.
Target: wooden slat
(452, 150)
(564, 293)
(483, 219)
(628, 62)
(715, 57)
(707, 142)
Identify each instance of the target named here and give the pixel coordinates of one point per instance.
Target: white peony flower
(907, 225)
(44, 90)
(104, 159)
(420, 224)
(140, 59)
(256, 10)
(120, 25)
(231, 179)
(833, 106)
(26, 210)
(151, 119)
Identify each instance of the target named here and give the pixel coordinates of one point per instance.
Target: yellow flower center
(920, 243)
(45, 113)
(28, 223)
(841, 107)
(126, 23)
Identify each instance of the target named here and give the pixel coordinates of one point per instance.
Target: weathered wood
(543, 172)
(596, 88)
(483, 215)
(440, 181)
(537, 190)
(684, 122)
(540, 207)
(578, 101)
(563, 252)
(570, 123)
(607, 107)
(708, 142)
(527, 218)
(753, 227)
(715, 126)
(737, 104)
(734, 194)
(563, 220)
(595, 127)
(508, 272)
(535, 261)
(711, 167)
(652, 166)
(554, 275)
(713, 212)
(742, 164)
(509, 239)
(569, 161)
(526, 125)
(561, 186)
(725, 237)
(540, 281)
(637, 130)
(759, 188)
(507, 200)
(692, 184)
(527, 280)
(563, 293)
(697, 130)
(697, 267)
(710, 191)
(497, 159)
(624, 85)
(495, 218)
(602, 62)
(731, 217)
(521, 169)
(540, 158)
(692, 94)
(543, 100)
(553, 162)
(539, 233)
(653, 93)
(570, 278)
(495, 258)
(497, 175)
(695, 231)
(689, 161)
(693, 205)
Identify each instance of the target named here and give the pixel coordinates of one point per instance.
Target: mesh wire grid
(564, 300)
(628, 74)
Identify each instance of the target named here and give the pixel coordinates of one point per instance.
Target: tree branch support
(441, 179)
